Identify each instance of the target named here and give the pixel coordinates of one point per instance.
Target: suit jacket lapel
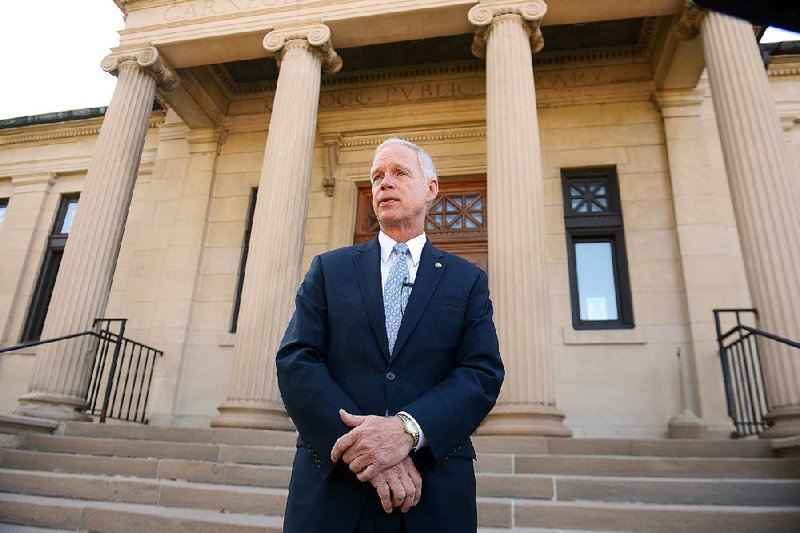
(428, 276)
(368, 274)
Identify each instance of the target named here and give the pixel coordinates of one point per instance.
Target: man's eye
(401, 172)
(376, 178)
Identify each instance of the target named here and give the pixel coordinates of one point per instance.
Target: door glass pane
(597, 290)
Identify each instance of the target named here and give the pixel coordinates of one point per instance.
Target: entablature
(201, 32)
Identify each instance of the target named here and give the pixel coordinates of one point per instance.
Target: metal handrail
(31, 344)
(124, 349)
(743, 372)
(761, 333)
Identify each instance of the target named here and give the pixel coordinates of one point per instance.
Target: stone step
(83, 515)
(251, 437)
(157, 492)
(80, 464)
(629, 447)
(650, 518)
(640, 466)
(183, 469)
(181, 482)
(120, 447)
(261, 454)
(483, 443)
(689, 491)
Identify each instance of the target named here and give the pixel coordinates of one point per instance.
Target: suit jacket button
(390, 376)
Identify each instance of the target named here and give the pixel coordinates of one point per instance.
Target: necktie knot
(400, 249)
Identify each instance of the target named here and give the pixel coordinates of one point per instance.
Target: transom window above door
(458, 213)
(455, 223)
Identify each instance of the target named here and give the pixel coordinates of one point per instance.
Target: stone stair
(136, 478)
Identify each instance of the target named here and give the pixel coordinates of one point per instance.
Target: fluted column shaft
(517, 245)
(766, 198)
(60, 377)
(276, 242)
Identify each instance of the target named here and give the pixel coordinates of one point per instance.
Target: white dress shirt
(388, 258)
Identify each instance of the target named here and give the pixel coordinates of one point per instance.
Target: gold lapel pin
(437, 264)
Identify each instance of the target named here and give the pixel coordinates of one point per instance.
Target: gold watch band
(408, 427)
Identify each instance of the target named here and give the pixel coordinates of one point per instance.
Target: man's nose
(388, 181)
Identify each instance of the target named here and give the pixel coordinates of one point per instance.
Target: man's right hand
(399, 486)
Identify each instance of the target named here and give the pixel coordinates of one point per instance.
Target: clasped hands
(376, 450)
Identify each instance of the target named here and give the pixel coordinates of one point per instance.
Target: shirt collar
(415, 246)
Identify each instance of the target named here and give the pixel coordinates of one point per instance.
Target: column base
(52, 407)
(524, 419)
(786, 422)
(252, 415)
(687, 425)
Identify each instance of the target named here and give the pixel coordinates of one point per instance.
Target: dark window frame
(48, 272)
(4, 204)
(248, 229)
(605, 226)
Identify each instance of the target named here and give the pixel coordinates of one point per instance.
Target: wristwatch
(409, 427)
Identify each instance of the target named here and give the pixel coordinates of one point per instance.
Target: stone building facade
(658, 118)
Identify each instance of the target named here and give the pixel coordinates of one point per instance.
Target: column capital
(484, 14)
(687, 27)
(315, 37)
(147, 59)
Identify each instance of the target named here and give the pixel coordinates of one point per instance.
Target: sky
(53, 50)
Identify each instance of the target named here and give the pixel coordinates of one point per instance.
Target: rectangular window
(37, 312)
(248, 228)
(3, 209)
(598, 267)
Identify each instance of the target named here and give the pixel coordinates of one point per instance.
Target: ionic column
(766, 198)
(60, 377)
(517, 247)
(276, 242)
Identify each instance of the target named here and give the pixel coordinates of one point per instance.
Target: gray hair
(425, 161)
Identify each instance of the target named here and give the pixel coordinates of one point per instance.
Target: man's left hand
(374, 444)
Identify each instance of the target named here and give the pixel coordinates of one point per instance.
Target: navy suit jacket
(445, 371)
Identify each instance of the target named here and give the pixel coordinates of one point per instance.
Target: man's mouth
(387, 201)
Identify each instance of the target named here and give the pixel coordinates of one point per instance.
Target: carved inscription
(180, 11)
(569, 78)
(403, 93)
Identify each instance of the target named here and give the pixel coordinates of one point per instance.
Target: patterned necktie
(395, 296)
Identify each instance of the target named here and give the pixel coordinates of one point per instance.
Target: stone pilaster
(18, 235)
(517, 248)
(276, 242)
(58, 385)
(710, 256)
(766, 199)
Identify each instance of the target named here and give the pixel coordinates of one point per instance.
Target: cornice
(127, 5)
(64, 132)
(784, 67)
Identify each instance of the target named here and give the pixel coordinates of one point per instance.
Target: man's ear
(433, 189)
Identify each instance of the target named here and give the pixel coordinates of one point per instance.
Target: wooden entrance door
(456, 222)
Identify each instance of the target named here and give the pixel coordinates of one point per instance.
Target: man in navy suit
(388, 365)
